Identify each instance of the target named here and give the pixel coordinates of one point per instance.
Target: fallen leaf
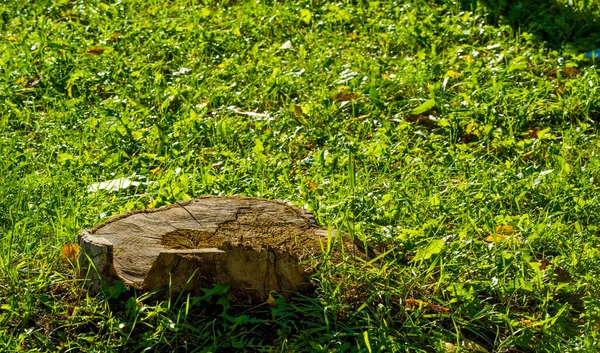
(70, 252)
(468, 58)
(94, 51)
(571, 72)
(311, 186)
(22, 81)
(287, 46)
(352, 36)
(473, 347)
(527, 156)
(451, 73)
(533, 133)
(567, 72)
(116, 185)
(252, 114)
(344, 96)
(203, 105)
(505, 230)
(562, 275)
(525, 322)
(466, 138)
(35, 81)
(465, 346)
(473, 128)
(271, 301)
(155, 171)
(298, 112)
(422, 120)
(497, 238)
(415, 303)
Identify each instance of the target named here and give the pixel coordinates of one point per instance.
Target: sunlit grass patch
(459, 140)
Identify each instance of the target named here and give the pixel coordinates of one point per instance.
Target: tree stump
(253, 245)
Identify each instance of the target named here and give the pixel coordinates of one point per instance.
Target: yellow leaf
(155, 170)
(468, 58)
(451, 73)
(496, 238)
(506, 229)
(271, 301)
(70, 252)
(12, 38)
(472, 127)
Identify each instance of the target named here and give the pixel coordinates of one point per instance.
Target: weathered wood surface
(253, 245)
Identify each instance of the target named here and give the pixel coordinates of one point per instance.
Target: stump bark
(253, 245)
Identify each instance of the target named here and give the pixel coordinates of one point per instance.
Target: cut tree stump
(253, 245)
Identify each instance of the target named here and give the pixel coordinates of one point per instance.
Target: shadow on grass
(558, 25)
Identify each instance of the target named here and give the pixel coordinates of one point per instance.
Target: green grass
(461, 117)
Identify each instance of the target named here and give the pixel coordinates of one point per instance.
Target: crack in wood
(228, 242)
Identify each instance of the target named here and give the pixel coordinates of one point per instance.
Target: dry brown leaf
(35, 81)
(533, 133)
(562, 275)
(344, 96)
(571, 72)
(422, 120)
(287, 46)
(352, 36)
(70, 252)
(466, 138)
(567, 72)
(525, 322)
(238, 111)
(298, 112)
(95, 51)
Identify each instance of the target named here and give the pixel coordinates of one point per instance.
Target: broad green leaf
(427, 105)
(305, 16)
(435, 247)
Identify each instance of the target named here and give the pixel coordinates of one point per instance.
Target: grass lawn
(458, 138)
